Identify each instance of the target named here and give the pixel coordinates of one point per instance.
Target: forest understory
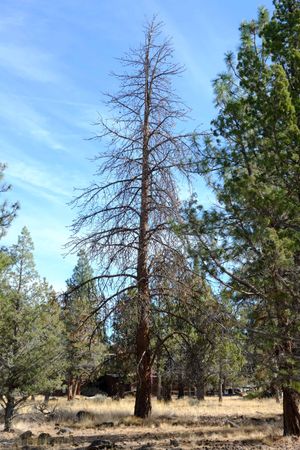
(103, 423)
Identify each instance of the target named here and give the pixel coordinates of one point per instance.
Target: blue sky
(55, 60)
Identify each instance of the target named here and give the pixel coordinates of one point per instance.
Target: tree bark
(200, 390)
(74, 388)
(159, 388)
(220, 383)
(78, 388)
(70, 390)
(143, 393)
(9, 412)
(291, 415)
(277, 394)
(200, 385)
(220, 391)
(180, 387)
(167, 390)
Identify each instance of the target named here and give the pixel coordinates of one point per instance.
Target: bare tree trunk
(200, 390)
(180, 390)
(70, 390)
(200, 385)
(220, 383)
(180, 386)
(74, 387)
(275, 390)
(167, 389)
(291, 415)
(78, 388)
(9, 412)
(277, 394)
(143, 393)
(158, 391)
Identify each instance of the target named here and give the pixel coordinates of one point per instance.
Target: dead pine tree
(125, 217)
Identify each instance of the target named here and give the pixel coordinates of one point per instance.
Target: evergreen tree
(7, 211)
(31, 347)
(187, 324)
(251, 243)
(7, 214)
(85, 348)
(228, 359)
(123, 345)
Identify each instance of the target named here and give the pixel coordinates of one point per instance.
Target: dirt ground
(99, 423)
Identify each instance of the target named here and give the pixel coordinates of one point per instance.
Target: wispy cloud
(184, 50)
(33, 175)
(53, 181)
(199, 74)
(28, 62)
(24, 119)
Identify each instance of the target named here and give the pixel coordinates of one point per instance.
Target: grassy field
(107, 409)
(187, 424)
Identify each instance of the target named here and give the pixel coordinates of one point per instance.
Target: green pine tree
(84, 332)
(251, 242)
(7, 210)
(31, 346)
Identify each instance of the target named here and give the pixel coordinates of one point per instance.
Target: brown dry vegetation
(186, 424)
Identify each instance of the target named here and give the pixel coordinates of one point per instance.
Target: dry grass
(105, 409)
(186, 409)
(211, 407)
(235, 420)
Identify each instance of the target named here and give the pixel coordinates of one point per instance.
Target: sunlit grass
(207, 419)
(187, 408)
